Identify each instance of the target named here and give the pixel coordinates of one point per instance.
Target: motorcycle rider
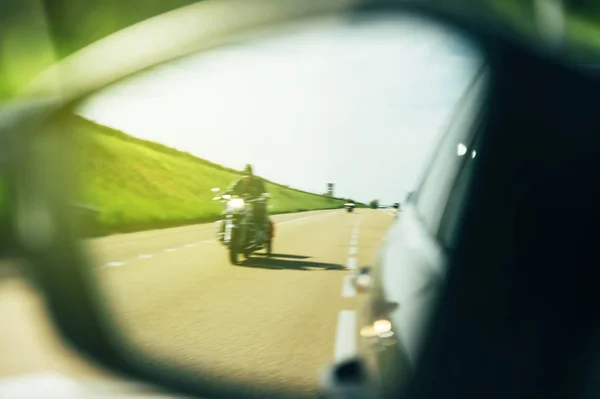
(252, 187)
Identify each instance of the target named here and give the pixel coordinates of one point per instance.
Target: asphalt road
(271, 322)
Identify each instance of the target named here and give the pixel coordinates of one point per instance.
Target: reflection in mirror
(332, 119)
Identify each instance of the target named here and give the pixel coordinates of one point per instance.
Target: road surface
(271, 322)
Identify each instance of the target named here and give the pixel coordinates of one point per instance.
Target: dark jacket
(254, 188)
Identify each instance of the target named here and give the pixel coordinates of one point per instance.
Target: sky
(357, 104)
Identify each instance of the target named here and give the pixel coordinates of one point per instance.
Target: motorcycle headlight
(236, 203)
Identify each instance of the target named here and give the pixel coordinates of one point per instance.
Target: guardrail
(84, 207)
(87, 220)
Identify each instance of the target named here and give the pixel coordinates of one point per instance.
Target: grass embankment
(141, 185)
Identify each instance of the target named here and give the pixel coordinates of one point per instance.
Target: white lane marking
(351, 264)
(354, 241)
(194, 244)
(348, 289)
(115, 264)
(320, 214)
(353, 251)
(148, 256)
(293, 220)
(345, 337)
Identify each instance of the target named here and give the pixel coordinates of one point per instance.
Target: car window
(432, 195)
(455, 206)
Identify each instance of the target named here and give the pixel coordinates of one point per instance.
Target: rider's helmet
(247, 172)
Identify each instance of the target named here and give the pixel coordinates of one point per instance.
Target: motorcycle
(349, 207)
(238, 232)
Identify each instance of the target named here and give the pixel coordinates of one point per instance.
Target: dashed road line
(345, 338)
(351, 263)
(115, 264)
(348, 289)
(152, 255)
(195, 244)
(294, 220)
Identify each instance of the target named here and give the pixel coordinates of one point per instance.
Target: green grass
(139, 185)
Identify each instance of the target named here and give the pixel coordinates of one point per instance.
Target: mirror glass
(334, 118)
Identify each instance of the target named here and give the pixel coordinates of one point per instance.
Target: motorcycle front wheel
(269, 247)
(234, 247)
(247, 254)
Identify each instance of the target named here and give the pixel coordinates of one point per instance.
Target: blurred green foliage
(77, 23)
(35, 33)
